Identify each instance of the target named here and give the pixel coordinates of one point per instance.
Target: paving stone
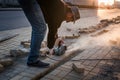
(93, 63)
(88, 68)
(19, 52)
(18, 77)
(87, 62)
(76, 75)
(4, 78)
(88, 77)
(6, 62)
(25, 44)
(64, 69)
(55, 72)
(25, 78)
(102, 62)
(72, 36)
(64, 79)
(78, 68)
(96, 70)
(50, 76)
(45, 78)
(11, 73)
(71, 78)
(21, 67)
(67, 67)
(2, 68)
(63, 74)
(26, 74)
(56, 78)
(30, 71)
(16, 70)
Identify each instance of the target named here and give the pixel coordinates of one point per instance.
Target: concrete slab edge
(57, 63)
(10, 9)
(8, 37)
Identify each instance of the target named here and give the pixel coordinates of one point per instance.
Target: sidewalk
(19, 70)
(101, 58)
(94, 63)
(92, 46)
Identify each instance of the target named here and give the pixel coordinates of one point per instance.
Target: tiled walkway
(93, 68)
(98, 63)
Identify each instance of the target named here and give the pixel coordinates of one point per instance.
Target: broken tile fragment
(6, 62)
(1, 68)
(19, 52)
(78, 68)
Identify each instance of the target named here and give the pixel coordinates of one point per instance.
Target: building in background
(94, 3)
(84, 3)
(80, 3)
(117, 3)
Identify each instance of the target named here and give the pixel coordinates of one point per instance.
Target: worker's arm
(66, 3)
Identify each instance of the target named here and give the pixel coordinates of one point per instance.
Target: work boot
(39, 64)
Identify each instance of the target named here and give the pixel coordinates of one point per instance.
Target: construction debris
(1, 68)
(103, 23)
(115, 43)
(19, 52)
(6, 62)
(99, 33)
(72, 37)
(78, 68)
(25, 44)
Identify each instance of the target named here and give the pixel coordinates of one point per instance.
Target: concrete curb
(64, 59)
(4, 38)
(10, 9)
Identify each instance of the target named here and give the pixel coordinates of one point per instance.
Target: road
(12, 20)
(16, 19)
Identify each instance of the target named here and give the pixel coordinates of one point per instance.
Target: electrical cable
(83, 59)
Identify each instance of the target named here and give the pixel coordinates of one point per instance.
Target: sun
(106, 2)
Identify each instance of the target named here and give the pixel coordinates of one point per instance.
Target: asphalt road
(16, 19)
(12, 20)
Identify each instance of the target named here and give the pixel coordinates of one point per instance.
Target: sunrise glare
(106, 2)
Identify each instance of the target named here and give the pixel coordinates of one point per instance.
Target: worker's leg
(34, 15)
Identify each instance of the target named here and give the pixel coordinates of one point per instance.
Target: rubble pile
(99, 33)
(4, 63)
(20, 52)
(72, 36)
(103, 23)
(24, 48)
(25, 44)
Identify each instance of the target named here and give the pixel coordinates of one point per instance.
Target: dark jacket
(54, 14)
(53, 10)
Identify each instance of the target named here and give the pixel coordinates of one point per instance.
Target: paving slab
(19, 70)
